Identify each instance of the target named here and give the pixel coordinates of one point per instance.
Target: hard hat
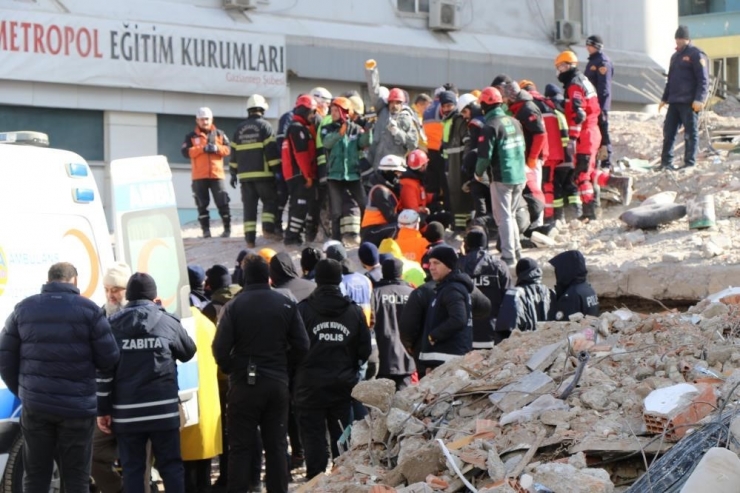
(391, 162)
(490, 95)
(465, 100)
(396, 94)
(267, 254)
(357, 104)
(475, 92)
(321, 94)
(257, 101)
(342, 103)
(305, 101)
(566, 56)
(417, 159)
(408, 217)
(329, 243)
(384, 92)
(204, 113)
(527, 85)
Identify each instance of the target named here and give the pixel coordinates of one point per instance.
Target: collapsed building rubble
(560, 409)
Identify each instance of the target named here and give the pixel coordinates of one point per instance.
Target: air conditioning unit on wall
(240, 4)
(444, 15)
(567, 32)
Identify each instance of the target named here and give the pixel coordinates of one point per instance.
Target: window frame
(416, 13)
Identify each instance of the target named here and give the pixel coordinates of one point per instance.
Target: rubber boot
(227, 226)
(623, 184)
(559, 214)
(589, 212)
(205, 225)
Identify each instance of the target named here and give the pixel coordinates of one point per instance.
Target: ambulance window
(154, 245)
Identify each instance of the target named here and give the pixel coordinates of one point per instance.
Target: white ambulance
(51, 211)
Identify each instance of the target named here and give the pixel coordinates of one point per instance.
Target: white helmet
(204, 113)
(465, 100)
(321, 94)
(257, 101)
(391, 162)
(329, 243)
(408, 217)
(384, 92)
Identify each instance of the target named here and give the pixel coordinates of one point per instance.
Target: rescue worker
(421, 103)
(344, 141)
(138, 401)
(259, 335)
(395, 131)
(412, 271)
(206, 147)
(282, 188)
(409, 238)
(322, 118)
(370, 259)
(413, 194)
(299, 167)
(526, 303)
(573, 294)
(685, 92)
(491, 277)
(381, 213)
(501, 153)
(479, 193)
(339, 344)
(448, 327)
(389, 299)
(435, 180)
(284, 276)
(600, 72)
(455, 131)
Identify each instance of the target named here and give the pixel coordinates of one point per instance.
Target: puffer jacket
(525, 304)
(344, 150)
(572, 293)
(142, 393)
(50, 348)
(284, 276)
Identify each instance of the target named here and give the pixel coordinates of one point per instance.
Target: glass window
(731, 75)
(407, 6)
(423, 6)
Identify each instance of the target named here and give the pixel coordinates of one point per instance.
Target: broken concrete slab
(544, 357)
(398, 422)
(375, 393)
(427, 460)
(718, 471)
(673, 410)
(522, 392)
(564, 478)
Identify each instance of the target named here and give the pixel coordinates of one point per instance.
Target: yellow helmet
(267, 254)
(566, 56)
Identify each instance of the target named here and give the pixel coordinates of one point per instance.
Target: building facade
(121, 78)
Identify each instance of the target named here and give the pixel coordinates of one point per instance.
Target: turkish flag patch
(480, 139)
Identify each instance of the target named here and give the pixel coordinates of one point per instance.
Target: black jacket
(526, 304)
(572, 293)
(141, 394)
(492, 278)
(255, 153)
(50, 348)
(213, 309)
(261, 326)
(284, 276)
(340, 344)
(449, 320)
(389, 301)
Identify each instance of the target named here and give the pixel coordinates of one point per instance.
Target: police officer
(573, 294)
(492, 277)
(255, 164)
(206, 147)
(139, 400)
(600, 72)
(685, 92)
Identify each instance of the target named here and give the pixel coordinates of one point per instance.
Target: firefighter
(455, 131)
(481, 195)
(206, 147)
(299, 167)
(255, 164)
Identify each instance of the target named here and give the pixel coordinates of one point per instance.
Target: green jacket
(344, 151)
(501, 148)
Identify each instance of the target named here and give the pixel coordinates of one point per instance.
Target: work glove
(393, 127)
(662, 105)
(697, 106)
(603, 153)
(233, 181)
(532, 162)
(571, 150)
(210, 149)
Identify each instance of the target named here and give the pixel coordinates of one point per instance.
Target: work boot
(559, 214)
(205, 225)
(588, 212)
(250, 242)
(623, 184)
(272, 237)
(227, 227)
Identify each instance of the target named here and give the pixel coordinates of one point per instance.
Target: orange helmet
(417, 159)
(267, 254)
(490, 95)
(566, 56)
(343, 103)
(527, 85)
(396, 94)
(475, 92)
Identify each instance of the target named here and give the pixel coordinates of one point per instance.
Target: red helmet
(305, 101)
(396, 94)
(490, 96)
(417, 160)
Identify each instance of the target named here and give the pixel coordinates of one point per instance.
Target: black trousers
(202, 190)
(347, 200)
(302, 202)
(166, 451)
(605, 139)
(198, 476)
(252, 192)
(435, 179)
(376, 234)
(263, 405)
(313, 424)
(47, 436)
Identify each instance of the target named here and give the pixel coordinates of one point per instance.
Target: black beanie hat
(196, 276)
(476, 239)
(682, 33)
(434, 232)
(445, 254)
(256, 269)
(500, 80)
(336, 252)
(141, 286)
(526, 264)
(218, 277)
(392, 269)
(368, 254)
(309, 257)
(328, 271)
(447, 97)
(595, 41)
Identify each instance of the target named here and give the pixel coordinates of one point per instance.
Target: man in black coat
(50, 347)
(340, 344)
(390, 296)
(259, 335)
(525, 304)
(284, 276)
(572, 293)
(138, 401)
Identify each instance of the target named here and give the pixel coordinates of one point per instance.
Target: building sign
(63, 48)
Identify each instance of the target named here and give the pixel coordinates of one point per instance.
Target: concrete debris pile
(578, 406)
